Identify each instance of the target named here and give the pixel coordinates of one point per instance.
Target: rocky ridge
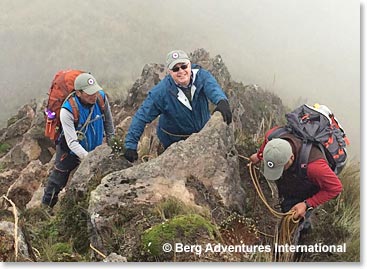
(202, 172)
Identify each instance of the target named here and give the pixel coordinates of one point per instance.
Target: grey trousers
(65, 162)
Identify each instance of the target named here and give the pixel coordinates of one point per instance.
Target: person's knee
(56, 182)
(59, 178)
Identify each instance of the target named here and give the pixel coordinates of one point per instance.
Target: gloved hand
(225, 110)
(131, 155)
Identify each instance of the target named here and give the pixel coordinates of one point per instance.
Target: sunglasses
(177, 68)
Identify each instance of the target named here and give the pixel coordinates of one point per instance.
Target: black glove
(223, 107)
(131, 155)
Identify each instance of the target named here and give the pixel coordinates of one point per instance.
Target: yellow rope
(96, 250)
(283, 235)
(243, 157)
(265, 234)
(257, 186)
(15, 213)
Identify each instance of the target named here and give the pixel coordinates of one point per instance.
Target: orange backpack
(61, 90)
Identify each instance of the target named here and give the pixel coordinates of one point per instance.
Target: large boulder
(98, 163)
(206, 163)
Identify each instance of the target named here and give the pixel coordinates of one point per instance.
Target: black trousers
(65, 163)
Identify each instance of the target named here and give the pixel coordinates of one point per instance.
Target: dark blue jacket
(167, 100)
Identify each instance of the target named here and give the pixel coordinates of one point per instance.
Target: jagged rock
(150, 76)
(201, 171)
(113, 257)
(31, 148)
(96, 165)
(37, 130)
(22, 153)
(252, 107)
(15, 158)
(254, 110)
(122, 128)
(17, 129)
(208, 157)
(28, 110)
(37, 133)
(20, 123)
(6, 179)
(214, 65)
(7, 243)
(124, 125)
(27, 183)
(36, 199)
(28, 141)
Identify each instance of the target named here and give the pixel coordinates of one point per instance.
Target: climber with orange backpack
(78, 115)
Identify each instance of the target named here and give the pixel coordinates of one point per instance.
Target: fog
(304, 51)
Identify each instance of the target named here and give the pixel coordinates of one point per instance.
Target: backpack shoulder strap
(75, 109)
(302, 159)
(101, 102)
(329, 157)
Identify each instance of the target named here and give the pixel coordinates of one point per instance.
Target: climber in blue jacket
(181, 101)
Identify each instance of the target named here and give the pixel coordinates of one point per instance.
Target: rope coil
(288, 224)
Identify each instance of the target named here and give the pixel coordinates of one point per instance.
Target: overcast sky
(300, 49)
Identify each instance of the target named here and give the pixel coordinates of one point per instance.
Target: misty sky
(306, 50)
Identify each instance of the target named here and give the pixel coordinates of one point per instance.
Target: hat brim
(177, 61)
(92, 89)
(273, 173)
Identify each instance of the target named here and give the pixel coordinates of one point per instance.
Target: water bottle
(51, 116)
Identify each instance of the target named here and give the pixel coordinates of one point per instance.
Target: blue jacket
(168, 101)
(94, 131)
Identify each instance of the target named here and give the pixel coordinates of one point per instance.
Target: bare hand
(300, 210)
(254, 159)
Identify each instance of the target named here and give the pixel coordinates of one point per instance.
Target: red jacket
(318, 172)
